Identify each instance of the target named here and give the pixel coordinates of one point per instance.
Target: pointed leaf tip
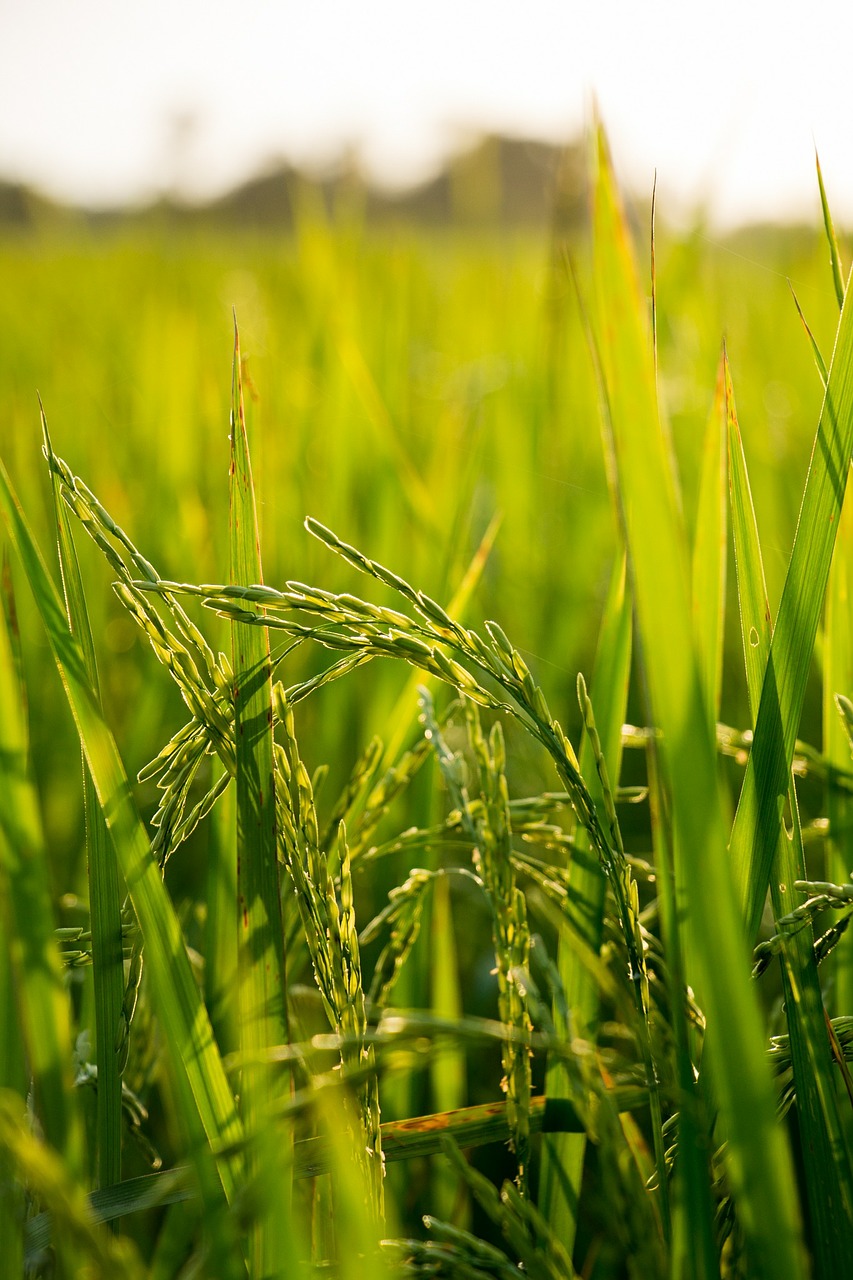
(834, 252)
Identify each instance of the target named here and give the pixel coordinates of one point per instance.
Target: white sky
(727, 100)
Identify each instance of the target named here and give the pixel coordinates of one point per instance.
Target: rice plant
(212, 1084)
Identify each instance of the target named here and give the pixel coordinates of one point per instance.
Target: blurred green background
(413, 370)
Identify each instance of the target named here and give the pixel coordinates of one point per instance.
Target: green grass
(394, 882)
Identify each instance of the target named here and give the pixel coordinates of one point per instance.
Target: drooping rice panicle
(359, 780)
(493, 861)
(119, 551)
(204, 680)
(386, 789)
(330, 932)
(354, 626)
(403, 915)
(348, 624)
(488, 828)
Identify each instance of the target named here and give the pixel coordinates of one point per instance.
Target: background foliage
(407, 390)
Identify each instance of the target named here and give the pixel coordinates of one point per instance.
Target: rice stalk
(511, 934)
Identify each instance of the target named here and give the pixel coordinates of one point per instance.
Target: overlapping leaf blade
(838, 678)
(759, 816)
(207, 1104)
(709, 555)
(825, 1158)
(760, 1163)
(104, 891)
(563, 1155)
(29, 924)
(260, 950)
(838, 672)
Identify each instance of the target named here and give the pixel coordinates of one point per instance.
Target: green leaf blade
(825, 1157)
(838, 678)
(208, 1104)
(834, 251)
(759, 814)
(714, 952)
(29, 924)
(709, 554)
(563, 1155)
(104, 890)
(260, 947)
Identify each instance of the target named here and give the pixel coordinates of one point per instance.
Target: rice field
(425, 752)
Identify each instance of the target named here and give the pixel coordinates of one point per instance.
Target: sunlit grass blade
(837, 661)
(563, 1156)
(693, 1234)
(28, 921)
(260, 952)
(104, 891)
(834, 252)
(654, 274)
(207, 1104)
(759, 1159)
(825, 1157)
(816, 352)
(838, 678)
(694, 1241)
(755, 617)
(759, 815)
(709, 555)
